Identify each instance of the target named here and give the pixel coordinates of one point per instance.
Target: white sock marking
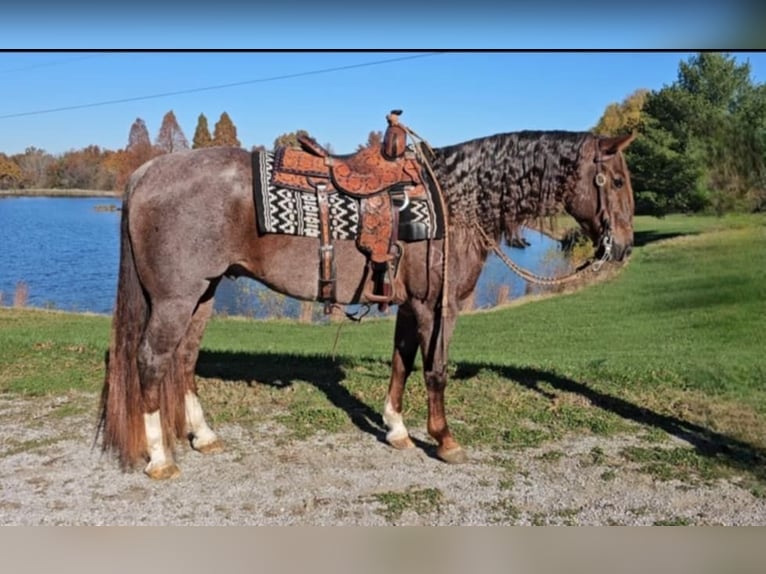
(394, 422)
(154, 443)
(195, 421)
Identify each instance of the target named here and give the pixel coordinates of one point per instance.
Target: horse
(189, 218)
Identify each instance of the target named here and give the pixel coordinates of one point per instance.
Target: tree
(374, 139)
(290, 139)
(138, 151)
(34, 165)
(202, 137)
(139, 147)
(225, 133)
(81, 169)
(665, 174)
(622, 118)
(10, 172)
(139, 136)
(702, 140)
(171, 137)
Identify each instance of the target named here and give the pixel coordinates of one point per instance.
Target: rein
(591, 265)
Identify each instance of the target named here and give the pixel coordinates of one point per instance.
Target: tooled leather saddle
(383, 178)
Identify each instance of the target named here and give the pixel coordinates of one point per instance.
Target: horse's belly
(291, 265)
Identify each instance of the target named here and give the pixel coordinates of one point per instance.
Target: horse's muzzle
(621, 252)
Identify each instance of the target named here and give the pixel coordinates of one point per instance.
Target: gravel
(51, 475)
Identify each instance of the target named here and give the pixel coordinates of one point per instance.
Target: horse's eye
(618, 182)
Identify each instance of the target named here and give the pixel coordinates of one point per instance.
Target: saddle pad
(296, 212)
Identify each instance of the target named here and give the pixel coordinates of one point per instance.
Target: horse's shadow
(327, 375)
(709, 443)
(282, 370)
(641, 238)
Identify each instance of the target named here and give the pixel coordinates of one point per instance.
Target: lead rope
(590, 265)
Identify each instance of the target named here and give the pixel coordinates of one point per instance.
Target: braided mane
(504, 180)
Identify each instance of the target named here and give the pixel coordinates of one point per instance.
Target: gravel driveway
(50, 475)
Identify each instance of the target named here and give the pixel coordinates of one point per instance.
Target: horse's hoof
(209, 448)
(455, 455)
(402, 443)
(164, 472)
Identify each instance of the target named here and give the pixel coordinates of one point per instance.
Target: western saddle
(383, 178)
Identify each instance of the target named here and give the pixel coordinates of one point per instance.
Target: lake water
(66, 251)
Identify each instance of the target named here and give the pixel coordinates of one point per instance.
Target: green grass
(673, 344)
(420, 501)
(45, 352)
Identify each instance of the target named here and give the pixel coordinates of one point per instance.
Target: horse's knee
(149, 375)
(152, 367)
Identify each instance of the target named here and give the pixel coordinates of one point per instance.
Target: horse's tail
(121, 418)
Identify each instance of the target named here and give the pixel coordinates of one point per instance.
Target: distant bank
(59, 193)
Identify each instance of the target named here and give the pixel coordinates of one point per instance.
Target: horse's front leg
(435, 335)
(405, 351)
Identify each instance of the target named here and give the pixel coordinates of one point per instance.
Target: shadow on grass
(327, 375)
(641, 238)
(730, 451)
(282, 370)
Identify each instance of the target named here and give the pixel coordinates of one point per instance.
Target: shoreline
(52, 192)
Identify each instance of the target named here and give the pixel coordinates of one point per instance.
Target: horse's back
(192, 174)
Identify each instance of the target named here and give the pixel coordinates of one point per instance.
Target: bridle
(602, 209)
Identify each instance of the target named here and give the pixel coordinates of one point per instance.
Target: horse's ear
(611, 146)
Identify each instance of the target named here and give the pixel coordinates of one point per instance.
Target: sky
(72, 78)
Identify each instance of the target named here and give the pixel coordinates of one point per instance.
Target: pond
(64, 253)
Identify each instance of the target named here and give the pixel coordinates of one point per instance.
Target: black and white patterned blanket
(294, 212)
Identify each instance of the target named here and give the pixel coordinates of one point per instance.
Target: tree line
(700, 146)
(101, 169)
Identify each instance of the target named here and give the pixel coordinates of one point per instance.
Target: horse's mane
(515, 177)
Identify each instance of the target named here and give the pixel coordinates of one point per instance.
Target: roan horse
(189, 218)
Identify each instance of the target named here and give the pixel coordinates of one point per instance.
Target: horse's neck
(502, 181)
(468, 256)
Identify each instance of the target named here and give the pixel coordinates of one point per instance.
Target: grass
(420, 501)
(672, 345)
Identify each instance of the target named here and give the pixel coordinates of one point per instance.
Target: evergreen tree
(171, 137)
(139, 136)
(138, 151)
(225, 133)
(202, 137)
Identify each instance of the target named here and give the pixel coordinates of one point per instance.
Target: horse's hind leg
(405, 351)
(167, 325)
(202, 437)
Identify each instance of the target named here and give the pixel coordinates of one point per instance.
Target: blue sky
(340, 96)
